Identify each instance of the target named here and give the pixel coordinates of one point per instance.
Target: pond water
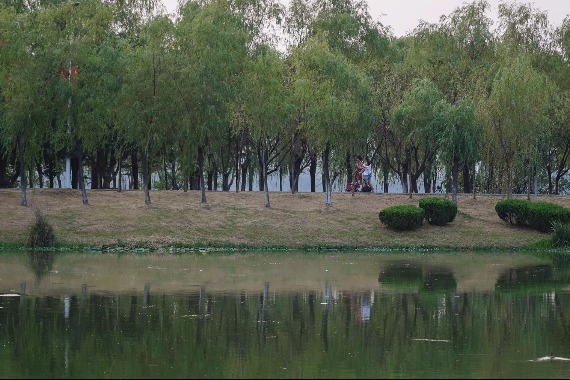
(284, 315)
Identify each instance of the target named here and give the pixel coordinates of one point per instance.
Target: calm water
(283, 315)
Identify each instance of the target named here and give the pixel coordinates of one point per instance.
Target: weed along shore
(178, 220)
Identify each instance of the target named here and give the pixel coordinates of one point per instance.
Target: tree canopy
(227, 92)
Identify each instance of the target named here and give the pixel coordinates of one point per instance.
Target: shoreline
(178, 222)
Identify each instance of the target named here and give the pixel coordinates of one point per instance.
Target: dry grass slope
(176, 217)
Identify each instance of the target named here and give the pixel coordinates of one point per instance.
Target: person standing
(367, 174)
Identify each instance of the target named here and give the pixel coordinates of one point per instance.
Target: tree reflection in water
(413, 321)
(41, 262)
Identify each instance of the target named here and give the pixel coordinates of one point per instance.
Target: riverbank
(179, 221)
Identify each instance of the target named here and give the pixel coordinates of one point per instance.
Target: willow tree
(262, 21)
(335, 95)
(26, 71)
(460, 140)
(517, 113)
(143, 97)
(456, 54)
(16, 84)
(94, 87)
(211, 47)
(348, 30)
(99, 54)
(558, 156)
(525, 34)
(299, 17)
(268, 107)
(416, 124)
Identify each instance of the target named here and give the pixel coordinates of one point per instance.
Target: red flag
(65, 73)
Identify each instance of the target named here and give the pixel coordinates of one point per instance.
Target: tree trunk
(260, 158)
(385, 175)
(266, 188)
(296, 173)
(250, 180)
(313, 172)
(145, 176)
(210, 179)
(244, 168)
(135, 169)
(454, 180)
(119, 174)
(509, 181)
(165, 181)
(30, 178)
(173, 174)
(529, 182)
(215, 177)
(201, 170)
(410, 186)
(549, 176)
(326, 177)
(404, 181)
(238, 163)
(23, 180)
(40, 171)
(474, 181)
(195, 178)
(81, 180)
(95, 172)
(467, 182)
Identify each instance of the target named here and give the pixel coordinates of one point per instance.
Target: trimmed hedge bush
(514, 211)
(402, 217)
(438, 211)
(542, 215)
(539, 215)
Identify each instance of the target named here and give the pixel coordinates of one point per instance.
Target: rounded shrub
(402, 217)
(438, 211)
(41, 233)
(514, 211)
(542, 215)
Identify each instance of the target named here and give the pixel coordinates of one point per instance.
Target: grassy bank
(178, 221)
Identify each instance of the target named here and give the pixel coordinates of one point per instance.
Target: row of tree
(228, 91)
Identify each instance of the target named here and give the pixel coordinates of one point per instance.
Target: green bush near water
(514, 211)
(41, 233)
(402, 217)
(543, 215)
(539, 215)
(438, 211)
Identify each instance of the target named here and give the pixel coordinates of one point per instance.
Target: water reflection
(360, 304)
(41, 262)
(299, 316)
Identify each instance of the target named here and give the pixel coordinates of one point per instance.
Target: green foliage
(41, 233)
(542, 215)
(561, 234)
(538, 215)
(514, 211)
(438, 211)
(402, 217)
